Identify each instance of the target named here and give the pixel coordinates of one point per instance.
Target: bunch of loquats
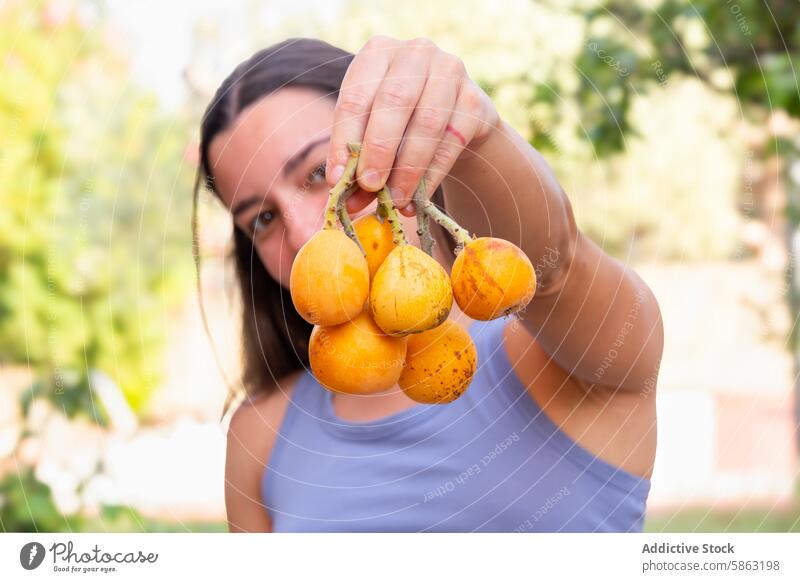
(380, 305)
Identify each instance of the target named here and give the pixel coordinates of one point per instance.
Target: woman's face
(268, 167)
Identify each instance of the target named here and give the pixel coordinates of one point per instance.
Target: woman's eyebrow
(245, 204)
(288, 167)
(300, 156)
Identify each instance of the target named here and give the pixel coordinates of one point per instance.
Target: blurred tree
(529, 56)
(93, 246)
(748, 49)
(28, 507)
(94, 249)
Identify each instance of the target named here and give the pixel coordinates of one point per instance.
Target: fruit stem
(423, 226)
(458, 232)
(387, 211)
(344, 217)
(344, 183)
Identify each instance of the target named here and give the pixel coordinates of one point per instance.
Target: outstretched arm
(594, 315)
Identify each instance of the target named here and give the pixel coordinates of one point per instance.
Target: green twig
(341, 186)
(459, 233)
(387, 211)
(344, 217)
(423, 226)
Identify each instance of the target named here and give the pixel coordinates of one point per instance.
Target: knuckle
(457, 66)
(353, 101)
(377, 41)
(407, 174)
(396, 94)
(422, 42)
(472, 99)
(452, 65)
(430, 121)
(410, 182)
(442, 160)
(379, 150)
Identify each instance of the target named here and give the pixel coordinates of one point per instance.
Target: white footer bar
(406, 557)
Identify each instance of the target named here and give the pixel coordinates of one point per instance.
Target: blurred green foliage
(750, 520)
(93, 235)
(653, 175)
(29, 507)
(94, 238)
(748, 48)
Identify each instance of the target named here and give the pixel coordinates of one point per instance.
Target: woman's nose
(303, 216)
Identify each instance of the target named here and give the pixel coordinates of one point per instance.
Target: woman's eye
(261, 221)
(317, 175)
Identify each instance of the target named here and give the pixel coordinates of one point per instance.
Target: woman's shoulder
(255, 423)
(252, 434)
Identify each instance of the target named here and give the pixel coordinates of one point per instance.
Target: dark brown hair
(274, 336)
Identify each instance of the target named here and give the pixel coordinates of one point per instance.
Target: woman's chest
(498, 480)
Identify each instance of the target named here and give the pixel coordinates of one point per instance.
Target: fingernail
(371, 179)
(337, 173)
(397, 196)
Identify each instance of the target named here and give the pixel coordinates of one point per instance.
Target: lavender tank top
(491, 461)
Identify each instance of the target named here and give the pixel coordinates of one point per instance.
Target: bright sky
(159, 34)
(159, 38)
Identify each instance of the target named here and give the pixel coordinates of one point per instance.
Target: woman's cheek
(277, 258)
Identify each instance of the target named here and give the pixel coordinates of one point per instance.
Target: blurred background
(674, 126)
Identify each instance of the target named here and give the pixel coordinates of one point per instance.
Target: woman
(557, 430)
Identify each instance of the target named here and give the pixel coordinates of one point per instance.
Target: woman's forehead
(268, 133)
(284, 120)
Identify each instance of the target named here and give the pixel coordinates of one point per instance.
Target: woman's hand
(414, 109)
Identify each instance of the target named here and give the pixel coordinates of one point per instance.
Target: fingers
(464, 124)
(395, 102)
(356, 96)
(426, 127)
(413, 109)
